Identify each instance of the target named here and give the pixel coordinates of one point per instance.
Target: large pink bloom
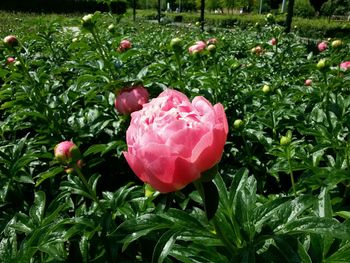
(171, 141)
(345, 65)
(198, 47)
(131, 99)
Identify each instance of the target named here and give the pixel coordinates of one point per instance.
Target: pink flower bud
(124, 45)
(257, 50)
(11, 41)
(131, 99)
(66, 151)
(173, 141)
(10, 60)
(322, 46)
(273, 41)
(308, 82)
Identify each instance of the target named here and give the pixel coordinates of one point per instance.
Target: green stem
(178, 62)
(290, 171)
(103, 52)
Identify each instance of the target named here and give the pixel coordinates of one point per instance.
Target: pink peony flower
(308, 82)
(171, 141)
(131, 99)
(65, 151)
(198, 47)
(124, 45)
(322, 46)
(345, 65)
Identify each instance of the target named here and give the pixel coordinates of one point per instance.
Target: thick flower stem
(103, 52)
(290, 171)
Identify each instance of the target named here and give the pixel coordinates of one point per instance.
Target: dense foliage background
(282, 186)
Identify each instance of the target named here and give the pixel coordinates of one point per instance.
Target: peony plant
(172, 141)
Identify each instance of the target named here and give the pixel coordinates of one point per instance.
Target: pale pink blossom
(198, 47)
(345, 65)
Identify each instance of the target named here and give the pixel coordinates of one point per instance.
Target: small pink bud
(273, 41)
(66, 151)
(11, 41)
(322, 46)
(308, 82)
(257, 50)
(124, 45)
(10, 60)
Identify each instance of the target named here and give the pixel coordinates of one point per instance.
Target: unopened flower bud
(321, 64)
(11, 41)
(111, 28)
(66, 152)
(175, 42)
(211, 48)
(308, 82)
(87, 21)
(238, 124)
(337, 43)
(10, 60)
(266, 89)
(285, 140)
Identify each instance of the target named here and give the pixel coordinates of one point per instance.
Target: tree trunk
(202, 14)
(159, 11)
(289, 15)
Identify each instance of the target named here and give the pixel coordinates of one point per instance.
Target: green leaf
(52, 172)
(211, 199)
(97, 148)
(342, 255)
(324, 204)
(164, 246)
(37, 210)
(317, 225)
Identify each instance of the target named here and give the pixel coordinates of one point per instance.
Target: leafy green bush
(303, 8)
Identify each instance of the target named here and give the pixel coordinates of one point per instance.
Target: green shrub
(303, 8)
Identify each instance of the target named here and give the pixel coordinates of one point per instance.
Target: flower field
(127, 142)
